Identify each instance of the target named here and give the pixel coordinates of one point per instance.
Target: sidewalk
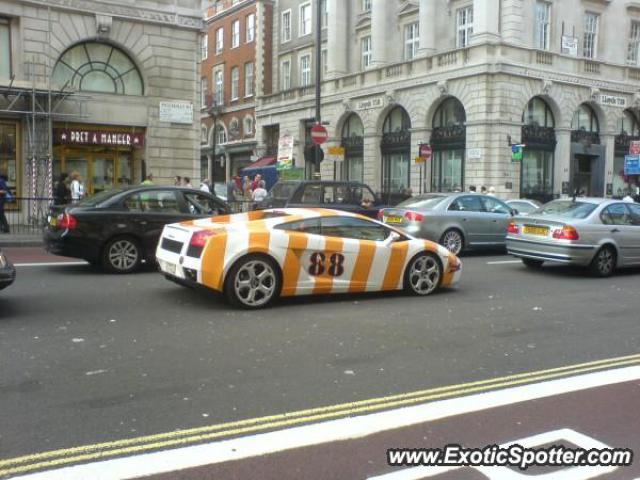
(20, 240)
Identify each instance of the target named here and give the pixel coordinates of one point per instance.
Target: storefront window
(98, 67)
(448, 141)
(537, 174)
(448, 170)
(353, 143)
(396, 152)
(8, 154)
(627, 131)
(538, 134)
(585, 119)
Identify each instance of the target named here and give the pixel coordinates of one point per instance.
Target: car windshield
(567, 209)
(422, 202)
(283, 191)
(98, 198)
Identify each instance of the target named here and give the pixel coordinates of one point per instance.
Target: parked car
(455, 220)
(120, 228)
(7, 272)
(352, 197)
(524, 206)
(293, 252)
(597, 233)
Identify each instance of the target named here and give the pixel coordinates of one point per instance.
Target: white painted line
(504, 262)
(49, 264)
(332, 431)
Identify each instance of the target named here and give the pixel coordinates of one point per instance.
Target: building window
(325, 62)
(353, 144)
(464, 20)
(235, 34)
(221, 135)
(590, 47)
(98, 67)
(634, 44)
(448, 140)
(219, 40)
(219, 81)
(248, 126)
(203, 92)
(411, 41)
(251, 28)
(585, 119)
(542, 25)
(366, 5)
(205, 46)
(9, 154)
(305, 70)
(305, 20)
(325, 13)
(396, 153)
(536, 171)
(248, 79)
(285, 34)
(367, 53)
(235, 83)
(285, 71)
(204, 134)
(5, 49)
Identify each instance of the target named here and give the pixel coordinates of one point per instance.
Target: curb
(10, 242)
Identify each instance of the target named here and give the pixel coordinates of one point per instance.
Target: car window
(422, 202)
(312, 195)
(616, 214)
(635, 213)
(311, 225)
(567, 209)
(283, 191)
(362, 195)
(199, 204)
(493, 205)
(523, 207)
(467, 204)
(155, 201)
(346, 227)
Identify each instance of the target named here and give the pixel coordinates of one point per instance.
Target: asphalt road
(87, 357)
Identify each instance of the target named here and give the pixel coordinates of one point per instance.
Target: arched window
(397, 121)
(396, 153)
(585, 119)
(221, 135)
(353, 144)
(539, 136)
(538, 114)
(450, 113)
(248, 126)
(448, 141)
(628, 125)
(98, 67)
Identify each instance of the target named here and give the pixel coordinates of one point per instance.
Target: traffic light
(310, 153)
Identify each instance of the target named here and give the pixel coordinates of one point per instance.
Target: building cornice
(178, 17)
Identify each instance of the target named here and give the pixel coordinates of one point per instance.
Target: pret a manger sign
(97, 137)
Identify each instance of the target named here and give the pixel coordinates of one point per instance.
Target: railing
(591, 67)
(544, 58)
(26, 215)
(583, 136)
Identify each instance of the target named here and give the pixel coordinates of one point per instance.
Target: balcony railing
(623, 142)
(452, 136)
(353, 145)
(539, 138)
(583, 136)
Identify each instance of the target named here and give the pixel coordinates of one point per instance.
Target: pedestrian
(148, 180)
(483, 190)
(186, 182)
(260, 193)
(205, 186)
(472, 189)
(77, 187)
(492, 191)
(61, 192)
(256, 182)
(5, 195)
(232, 188)
(246, 188)
(177, 181)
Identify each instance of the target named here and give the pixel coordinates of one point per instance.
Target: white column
(380, 31)
(486, 21)
(337, 38)
(427, 28)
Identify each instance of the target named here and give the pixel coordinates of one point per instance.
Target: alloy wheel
(452, 240)
(605, 262)
(255, 283)
(123, 255)
(424, 275)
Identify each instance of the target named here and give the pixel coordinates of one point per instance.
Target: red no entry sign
(319, 134)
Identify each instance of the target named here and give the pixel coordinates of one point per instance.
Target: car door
(498, 215)
(618, 227)
(364, 201)
(634, 238)
(467, 213)
(309, 195)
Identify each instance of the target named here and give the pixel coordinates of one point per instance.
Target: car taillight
(199, 239)
(380, 215)
(566, 233)
(413, 217)
(513, 228)
(67, 222)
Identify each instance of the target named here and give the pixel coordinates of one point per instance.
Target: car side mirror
(514, 212)
(392, 238)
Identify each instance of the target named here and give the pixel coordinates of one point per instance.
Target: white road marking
(504, 262)
(325, 432)
(49, 264)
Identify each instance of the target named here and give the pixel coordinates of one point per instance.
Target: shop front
(448, 140)
(10, 161)
(105, 157)
(628, 132)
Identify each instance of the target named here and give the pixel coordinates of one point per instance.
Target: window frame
(286, 80)
(542, 26)
(205, 47)
(366, 5)
(219, 40)
(366, 56)
(285, 38)
(590, 38)
(250, 28)
(249, 90)
(302, 22)
(235, 83)
(464, 30)
(7, 21)
(305, 71)
(204, 90)
(411, 44)
(218, 78)
(235, 35)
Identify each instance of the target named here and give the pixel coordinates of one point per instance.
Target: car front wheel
(604, 263)
(453, 241)
(122, 255)
(253, 282)
(424, 274)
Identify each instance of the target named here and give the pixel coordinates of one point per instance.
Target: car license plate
(392, 219)
(170, 268)
(53, 221)
(531, 230)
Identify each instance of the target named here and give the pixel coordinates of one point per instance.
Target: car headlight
(3, 260)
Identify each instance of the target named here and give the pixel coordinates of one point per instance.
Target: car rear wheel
(253, 282)
(604, 263)
(122, 255)
(423, 275)
(532, 263)
(453, 241)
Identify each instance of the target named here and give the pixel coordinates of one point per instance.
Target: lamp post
(319, 3)
(213, 111)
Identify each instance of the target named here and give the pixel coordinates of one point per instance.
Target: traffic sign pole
(318, 65)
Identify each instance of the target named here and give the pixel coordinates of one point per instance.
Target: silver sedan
(455, 220)
(592, 232)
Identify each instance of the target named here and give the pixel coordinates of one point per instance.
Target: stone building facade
(105, 88)
(470, 78)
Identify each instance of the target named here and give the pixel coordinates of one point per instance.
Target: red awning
(263, 162)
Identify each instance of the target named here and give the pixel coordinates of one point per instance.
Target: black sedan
(7, 272)
(118, 229)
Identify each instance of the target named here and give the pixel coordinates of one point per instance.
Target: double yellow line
(99, 451)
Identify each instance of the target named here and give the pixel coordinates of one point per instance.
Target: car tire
(253, 282)
(122, 255)
(423, 275)
(532, 263)
(604, 262)
(452, 240)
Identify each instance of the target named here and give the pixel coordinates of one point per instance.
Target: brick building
(236, 68)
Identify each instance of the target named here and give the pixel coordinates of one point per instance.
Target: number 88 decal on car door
(318, 266)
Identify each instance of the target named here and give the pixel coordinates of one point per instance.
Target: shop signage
(634, 147)
(517, 152)
(285, 152)
(613, 101)
(336, 154)
(632, 165)
(474, 154)
(377, 102)
(570, 45)
(70, 136)
(176, 112)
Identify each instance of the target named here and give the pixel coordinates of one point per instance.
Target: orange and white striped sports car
(253, 258)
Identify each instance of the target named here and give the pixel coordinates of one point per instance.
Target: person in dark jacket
(4, 193)
(61, 192)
